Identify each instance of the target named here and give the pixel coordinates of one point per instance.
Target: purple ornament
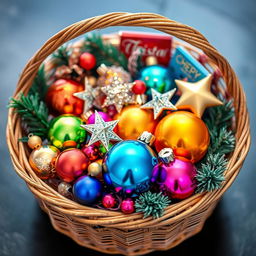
(127, 206)
(105, 117)
(176, 179)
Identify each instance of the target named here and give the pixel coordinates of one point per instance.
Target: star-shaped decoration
(88, 96)
(102, 131)
(160, 102)
(117, 93)
(196, 96)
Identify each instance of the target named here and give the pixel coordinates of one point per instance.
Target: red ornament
(139, 87)
(108, 201)
(70, 164)
(60, 97)
(127, 206)
(87, 61)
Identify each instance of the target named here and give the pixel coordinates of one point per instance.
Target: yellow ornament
(196, 96)
(133, 121)
(42, 161)
(185, 133)
(95, 168)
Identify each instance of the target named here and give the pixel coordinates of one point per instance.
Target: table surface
(25, 25)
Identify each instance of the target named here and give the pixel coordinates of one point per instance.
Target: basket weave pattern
(110, 231)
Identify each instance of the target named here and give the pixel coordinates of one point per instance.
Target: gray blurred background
(230, 25)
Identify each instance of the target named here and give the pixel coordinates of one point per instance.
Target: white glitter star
(117, 94)
(88, 96)
(160, 102)
(102, 131)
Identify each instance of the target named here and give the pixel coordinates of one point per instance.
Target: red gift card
(150, 44)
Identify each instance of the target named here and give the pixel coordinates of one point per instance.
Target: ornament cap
(166, 155)
(147, 138)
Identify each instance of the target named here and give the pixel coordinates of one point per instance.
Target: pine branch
(104, 53)
(61, 55)
(210, 175)
(33, 112)
(152, 204)
(39, 85)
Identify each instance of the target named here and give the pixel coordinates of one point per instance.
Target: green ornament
(156, 77)
(103, 150)
(66, 128)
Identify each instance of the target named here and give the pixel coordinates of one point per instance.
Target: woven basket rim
(89, 215)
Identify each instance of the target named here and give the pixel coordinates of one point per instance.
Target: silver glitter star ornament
(160, 102)
(102, 131)
(117, 93)
(88, 96)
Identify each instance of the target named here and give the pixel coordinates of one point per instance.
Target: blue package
(184, 65)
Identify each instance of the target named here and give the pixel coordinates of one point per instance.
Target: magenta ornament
(176, 178)
(127, 206)
(92, 152)
(105, 117)
(108, 201)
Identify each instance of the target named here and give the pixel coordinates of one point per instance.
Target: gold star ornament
(196, 96)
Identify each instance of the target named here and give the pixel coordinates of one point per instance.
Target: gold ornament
(34, 142)
(42, 161)
(95, 169)
(196, 96)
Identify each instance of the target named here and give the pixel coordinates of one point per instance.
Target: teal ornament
(156, 77)
(128, 166)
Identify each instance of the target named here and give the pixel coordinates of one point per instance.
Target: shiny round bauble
(128, 166)
(42, 161)
(176, 179)
(92, 152)
(87, 190)
(94, 169)
(70, 164)
(60, 97)
(64, 129)
(127, 206)
(34, 142)
(64, 188)
(133, 121)
(87, 61)
(139, 87)
(108, 201)
(103, 150)
(183, 132)
(105, 117)
(156, 77)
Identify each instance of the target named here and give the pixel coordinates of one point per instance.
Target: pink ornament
(111, 110)
(108, 201)
(127, 206)
(176, 178)
(91, 152)
(105, 117)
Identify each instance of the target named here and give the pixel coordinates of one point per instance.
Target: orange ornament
(60, 97)
(133, 121)
(185, 133)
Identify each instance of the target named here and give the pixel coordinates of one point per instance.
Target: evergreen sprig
(33, 112)
(152, 204)
(105, 53)
(211, 173)
(61, 55)
(39, 85)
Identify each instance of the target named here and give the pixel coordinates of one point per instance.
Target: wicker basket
(110, 231)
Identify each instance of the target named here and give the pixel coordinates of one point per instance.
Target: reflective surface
(25, 25)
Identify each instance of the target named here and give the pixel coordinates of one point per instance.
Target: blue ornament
(157, 77)
(87, 190)
(129, 165)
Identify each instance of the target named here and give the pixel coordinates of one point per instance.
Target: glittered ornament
(175, 178)
(87, 61)
(133, 121)
(70, 164)
(183, 132)
(34, 142)
(60, 97)
(128, 166)
(92, 152)
(105, 117)
(64, 188)
(94, 169)
(108, 201)
(156, 77)
(42, 161)
(127, 206)
(87, 190)
(64, 129)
